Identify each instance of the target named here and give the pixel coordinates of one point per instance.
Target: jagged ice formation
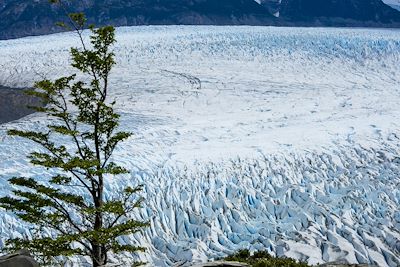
(285, 139)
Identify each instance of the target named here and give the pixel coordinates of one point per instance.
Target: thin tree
(83, 218)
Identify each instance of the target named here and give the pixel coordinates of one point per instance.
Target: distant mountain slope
(32, 17)
(339, 12)
(393, 3)
(21, 17)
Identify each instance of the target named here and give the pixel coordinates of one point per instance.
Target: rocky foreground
(14, 104)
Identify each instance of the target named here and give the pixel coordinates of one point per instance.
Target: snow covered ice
(285, 139)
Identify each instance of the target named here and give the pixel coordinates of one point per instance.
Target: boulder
(21, 258)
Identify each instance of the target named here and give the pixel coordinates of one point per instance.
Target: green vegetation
(83, 218)
(263, 259)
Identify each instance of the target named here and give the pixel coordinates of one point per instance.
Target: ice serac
(283, 139)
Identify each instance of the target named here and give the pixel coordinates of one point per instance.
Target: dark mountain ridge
(340, 12)
(21, 17)
(34, 17)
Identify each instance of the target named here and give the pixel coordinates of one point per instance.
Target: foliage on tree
(73, 203)
(263, 259)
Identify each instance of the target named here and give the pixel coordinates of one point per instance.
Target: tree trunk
(99, 257)
(99, 254)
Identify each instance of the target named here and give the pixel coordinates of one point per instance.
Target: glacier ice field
(282, 139)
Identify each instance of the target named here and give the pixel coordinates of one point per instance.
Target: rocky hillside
(339, 12)
(393, 3)
(22, 17)
(34, 17)
(14, 104)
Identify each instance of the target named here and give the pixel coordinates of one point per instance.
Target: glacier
(283, 139)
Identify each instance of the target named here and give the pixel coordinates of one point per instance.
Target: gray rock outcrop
(21, 258)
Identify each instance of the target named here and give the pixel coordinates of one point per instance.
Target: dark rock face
(397, 7)
(34, 17)
(340, 12)
(273, 6)
(13, 105)
(21, 258)
(23, 17)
